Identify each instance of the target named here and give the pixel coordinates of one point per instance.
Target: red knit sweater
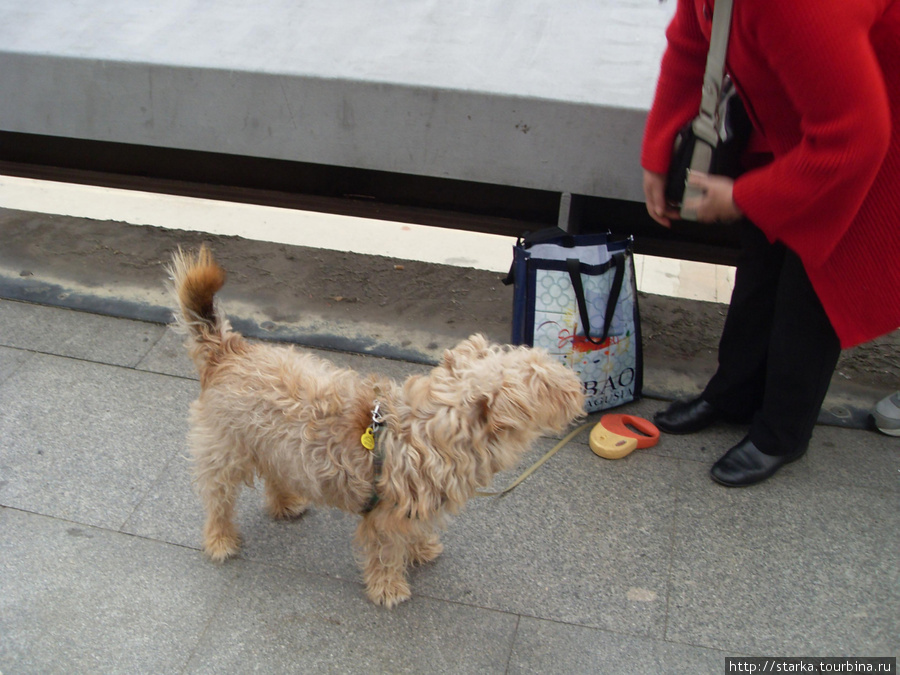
(821, 82)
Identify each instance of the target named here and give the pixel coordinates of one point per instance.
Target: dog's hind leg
(281, 502)
(219, 477)
(220, 535)
(383, 543)
(425, 543)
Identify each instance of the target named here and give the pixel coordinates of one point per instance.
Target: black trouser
(778, 349)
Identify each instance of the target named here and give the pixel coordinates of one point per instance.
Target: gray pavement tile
(169, 356)
(282, 621)
(851, 457)
(78, 599)
(551, 647)
(11, 360)
(584, 541)
(320, 541)
(170, 509)
(19, 627)
(791, 566)
(86, 441)
(77, 334)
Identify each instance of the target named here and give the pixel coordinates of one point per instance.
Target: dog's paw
(389, 594)
(288, 507)
(221, 546)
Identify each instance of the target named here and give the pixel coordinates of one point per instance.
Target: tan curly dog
(300, 423)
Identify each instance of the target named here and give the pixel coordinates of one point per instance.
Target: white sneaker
(887, 415)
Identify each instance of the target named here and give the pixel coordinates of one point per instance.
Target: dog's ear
(539, 391)
(493, 416)
(475, 347)
(503, 407)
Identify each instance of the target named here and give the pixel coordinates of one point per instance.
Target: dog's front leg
(383, 541)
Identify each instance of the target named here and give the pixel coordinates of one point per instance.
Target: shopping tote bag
(576, 297)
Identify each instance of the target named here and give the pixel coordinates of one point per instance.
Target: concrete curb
(847, 405)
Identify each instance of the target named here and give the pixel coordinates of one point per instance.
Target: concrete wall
(531, 93)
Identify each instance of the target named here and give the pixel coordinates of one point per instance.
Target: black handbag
(714, 140)
(724, 157)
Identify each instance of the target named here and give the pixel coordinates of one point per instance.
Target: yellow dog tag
(368, 439)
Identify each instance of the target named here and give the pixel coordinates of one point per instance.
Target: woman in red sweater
(819, 204)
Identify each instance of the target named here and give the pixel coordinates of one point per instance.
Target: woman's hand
(655, 196)
(716, 200)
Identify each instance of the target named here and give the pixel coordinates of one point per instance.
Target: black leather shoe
(686, 417)
(745, 464)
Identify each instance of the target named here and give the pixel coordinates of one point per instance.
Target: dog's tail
(196, 278)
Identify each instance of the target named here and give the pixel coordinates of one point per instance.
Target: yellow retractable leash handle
(616, 436)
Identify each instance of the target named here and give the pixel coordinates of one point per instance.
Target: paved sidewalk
(636, 565)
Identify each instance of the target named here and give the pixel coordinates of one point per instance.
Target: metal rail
(440, 202)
